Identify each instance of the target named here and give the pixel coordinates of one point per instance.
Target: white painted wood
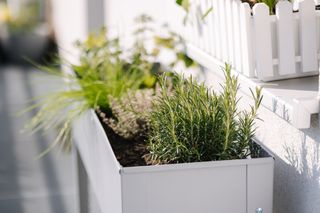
(194, 24)
(286, 46)
(205, 24)
(318, 30)
(217, 28)
(302, 119)
(237, 35)
(308, 36)
(262, 35)
(278, 97)
(201, 25)
(247, 42)
(229, 33)
(211, 27)
(223, 30)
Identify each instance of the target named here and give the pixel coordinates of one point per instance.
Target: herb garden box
(216, 186)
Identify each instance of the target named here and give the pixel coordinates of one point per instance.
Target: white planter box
(231, 186)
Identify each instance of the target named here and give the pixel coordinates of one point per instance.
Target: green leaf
(206, 13)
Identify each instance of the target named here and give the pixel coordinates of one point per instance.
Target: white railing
(269, 47)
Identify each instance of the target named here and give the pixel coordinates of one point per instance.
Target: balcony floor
(28, 184)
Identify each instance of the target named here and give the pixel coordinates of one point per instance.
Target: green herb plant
(105, 72)
(131, 114)
(193, 123)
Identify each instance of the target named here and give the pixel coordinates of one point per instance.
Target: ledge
(293, 100)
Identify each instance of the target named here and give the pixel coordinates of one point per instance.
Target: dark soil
(135, 153)
(128, 152)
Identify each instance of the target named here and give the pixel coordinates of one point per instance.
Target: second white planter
(240, 186)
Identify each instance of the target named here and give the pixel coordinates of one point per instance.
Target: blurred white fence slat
(211, 30)
(223, 30)
(246, 32)
(308, 36)
(230, 34)
(286, 46)
(217, 29)
(262, 33)
(237, 35)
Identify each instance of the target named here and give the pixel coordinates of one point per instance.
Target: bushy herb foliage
(193, 123)
(105, 70)
(131, 114)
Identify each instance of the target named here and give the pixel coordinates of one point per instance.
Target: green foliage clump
(131, 114)
(194, 124)
(105, 70)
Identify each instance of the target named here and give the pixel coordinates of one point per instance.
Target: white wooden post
(229, 33)
(223, 30)
(237, 35)
(263, 45)
(286, 48)
(217, 29)
(309, 60)
(246, 32)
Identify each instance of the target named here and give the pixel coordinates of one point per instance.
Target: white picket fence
(269, 47)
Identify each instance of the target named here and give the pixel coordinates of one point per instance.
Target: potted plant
(23, 35)
(176, 147)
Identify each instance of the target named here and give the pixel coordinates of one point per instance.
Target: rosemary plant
(194, 124)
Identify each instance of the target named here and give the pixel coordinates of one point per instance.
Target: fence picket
(193, 28)
(201, 25)
(211, 28)
(217, 32)
(308, 36)
(246, 32)
(286, 48)
(262, 35)
(229, 33)
(205, 20)
(237, 35)
(223, 30)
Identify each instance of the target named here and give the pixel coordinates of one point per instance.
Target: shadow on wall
(300, 194)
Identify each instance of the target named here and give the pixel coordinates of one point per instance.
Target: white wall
(73, 20)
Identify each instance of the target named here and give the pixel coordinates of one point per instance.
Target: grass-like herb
(193, 123)
(101, 73)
